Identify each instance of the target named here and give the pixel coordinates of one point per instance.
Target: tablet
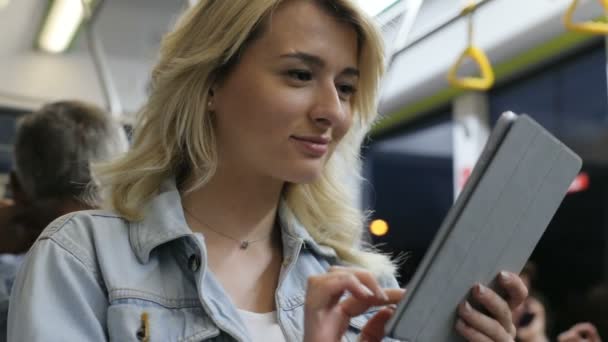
(516, 187)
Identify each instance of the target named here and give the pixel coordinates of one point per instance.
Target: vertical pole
(605, 276)
(100, 61)
(470, 133)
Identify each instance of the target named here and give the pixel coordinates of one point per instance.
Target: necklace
(243, 244)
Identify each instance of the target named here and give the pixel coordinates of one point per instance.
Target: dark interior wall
(414, 206)
(8, 118)
(569, 98)
(409, 185)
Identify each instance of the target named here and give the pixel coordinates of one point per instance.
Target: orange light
(378, 227)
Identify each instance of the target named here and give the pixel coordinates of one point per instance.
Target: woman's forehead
(303, 26)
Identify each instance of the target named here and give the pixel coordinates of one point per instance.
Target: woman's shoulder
(83, 224)
(84, 233)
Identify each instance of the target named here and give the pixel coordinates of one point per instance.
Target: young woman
(232, 217)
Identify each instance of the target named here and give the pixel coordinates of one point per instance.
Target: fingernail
(480, 289)
(460, 324)
(504, 276)
(367, 291)
(467, 306)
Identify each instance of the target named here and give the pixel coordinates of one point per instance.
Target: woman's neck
(241, 208)
(237, 206)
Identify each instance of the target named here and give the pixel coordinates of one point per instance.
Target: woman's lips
(312, 146)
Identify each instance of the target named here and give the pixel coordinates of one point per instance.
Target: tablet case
(516, 187)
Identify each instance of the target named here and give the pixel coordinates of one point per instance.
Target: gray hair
(55, 146)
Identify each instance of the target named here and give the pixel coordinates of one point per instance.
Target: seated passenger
(591, 317)
(533, 317)
(52, 152)
(231, 217)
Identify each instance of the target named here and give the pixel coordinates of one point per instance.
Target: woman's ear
(210, 101)
(211, 98)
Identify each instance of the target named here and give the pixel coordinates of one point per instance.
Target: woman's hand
(327, 314)
(497, 325)
(582, 332)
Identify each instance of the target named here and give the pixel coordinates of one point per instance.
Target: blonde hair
(206, 42)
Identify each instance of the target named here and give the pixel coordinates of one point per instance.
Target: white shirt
(262, 326)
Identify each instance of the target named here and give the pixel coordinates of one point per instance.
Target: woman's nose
(328, 110)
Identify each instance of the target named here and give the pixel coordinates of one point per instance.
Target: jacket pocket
(139, 320)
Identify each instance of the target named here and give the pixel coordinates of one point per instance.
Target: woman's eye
(300, 75)
(346, 90)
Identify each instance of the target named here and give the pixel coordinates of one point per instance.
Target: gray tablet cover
(514, 190)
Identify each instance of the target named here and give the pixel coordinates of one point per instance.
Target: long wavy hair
(174, 134)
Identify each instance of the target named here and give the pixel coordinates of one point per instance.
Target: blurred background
(431, 130)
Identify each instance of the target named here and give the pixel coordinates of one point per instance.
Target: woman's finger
(326, 290)
(364, 276)
(373, 331)
(484, 325)
(469, 333)
(497, 307)
(355, 307)
(516, 290)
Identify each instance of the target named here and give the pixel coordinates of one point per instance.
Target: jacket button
(194, 262)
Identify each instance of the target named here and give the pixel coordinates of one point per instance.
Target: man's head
(54, 147)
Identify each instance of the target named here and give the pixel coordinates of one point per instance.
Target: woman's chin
(304, 176)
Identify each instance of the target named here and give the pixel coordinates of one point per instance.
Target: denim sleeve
(388, 281)
(57, 296)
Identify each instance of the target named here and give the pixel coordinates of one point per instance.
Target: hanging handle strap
(486, 80)
(589, 27)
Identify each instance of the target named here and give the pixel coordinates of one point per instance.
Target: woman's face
(285, 106)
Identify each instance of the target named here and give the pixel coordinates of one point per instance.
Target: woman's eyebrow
(318, 62)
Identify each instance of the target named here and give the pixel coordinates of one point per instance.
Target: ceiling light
(61, 24)
(4, 3)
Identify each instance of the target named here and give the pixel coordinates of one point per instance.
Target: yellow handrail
(486, 80)
(589, 27)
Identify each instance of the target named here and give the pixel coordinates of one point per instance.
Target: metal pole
(99, 61)
(411, 9)
(605, 226)
(437, 29)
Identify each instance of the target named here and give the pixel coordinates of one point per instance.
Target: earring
(210, 107)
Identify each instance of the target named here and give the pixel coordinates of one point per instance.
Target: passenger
(232, 216)
(580, 332)
(591, 317)
(532, 319)
(53, 149)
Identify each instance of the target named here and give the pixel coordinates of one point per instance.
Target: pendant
(244, 244)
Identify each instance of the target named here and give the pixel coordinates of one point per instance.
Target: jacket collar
(164, 222)
(293, 230)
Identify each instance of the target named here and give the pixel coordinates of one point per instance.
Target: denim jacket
(94, 276)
